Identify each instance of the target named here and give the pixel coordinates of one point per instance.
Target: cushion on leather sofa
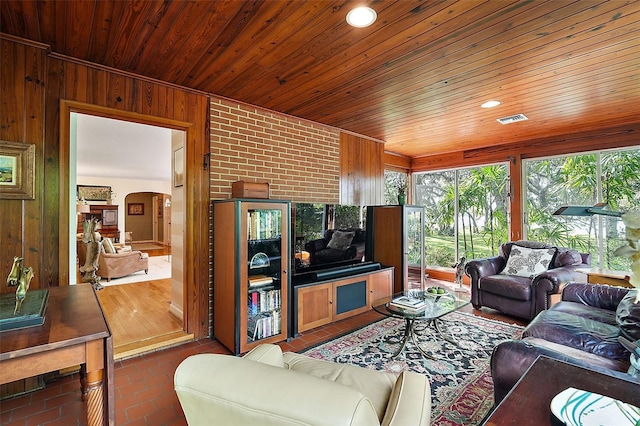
(375, 387)
(577, 332)
(628, 316)
(504, 286)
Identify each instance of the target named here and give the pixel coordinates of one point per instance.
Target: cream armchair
(267, 387)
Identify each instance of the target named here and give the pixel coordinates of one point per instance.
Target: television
(314, 227)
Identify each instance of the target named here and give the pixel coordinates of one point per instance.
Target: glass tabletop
(429, 305)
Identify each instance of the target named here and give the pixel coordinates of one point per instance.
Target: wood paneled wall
(38, 92)
(607, 138)
(361, 170)
(25, 233)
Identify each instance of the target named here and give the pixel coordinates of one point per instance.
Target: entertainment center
(268, 287)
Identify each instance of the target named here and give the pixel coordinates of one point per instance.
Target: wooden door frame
(190, 315)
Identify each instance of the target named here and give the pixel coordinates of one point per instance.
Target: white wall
(123, 187)
(177, 212)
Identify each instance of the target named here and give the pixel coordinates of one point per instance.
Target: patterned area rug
(461, 386)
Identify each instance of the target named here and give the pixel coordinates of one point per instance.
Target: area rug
(159, 269)
(461, 386)
(146, 246)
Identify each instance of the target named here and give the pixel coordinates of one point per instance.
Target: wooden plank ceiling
(414, 79)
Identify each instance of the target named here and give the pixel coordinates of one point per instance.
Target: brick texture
(299, 159)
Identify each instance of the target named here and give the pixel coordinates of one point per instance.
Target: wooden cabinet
(381, 286)
(107, 214)
(395, 237)
(315, 306)
(250, 272)
(324, 302)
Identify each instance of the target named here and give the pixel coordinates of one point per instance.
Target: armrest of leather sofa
(269, 354)
(596, 295)
(410, 401)
(316, 245)
(478, 268)
(511, 359)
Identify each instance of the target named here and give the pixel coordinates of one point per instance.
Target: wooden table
(605, 276)
(529, 402)
(74, 332)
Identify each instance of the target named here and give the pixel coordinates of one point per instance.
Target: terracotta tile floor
(144, 392)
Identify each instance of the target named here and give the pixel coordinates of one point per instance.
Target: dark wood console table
(74, 332)
(529, 402)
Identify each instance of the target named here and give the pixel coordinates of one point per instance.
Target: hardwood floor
(139, 318)
(138, 315)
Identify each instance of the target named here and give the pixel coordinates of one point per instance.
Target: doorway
(132, 159)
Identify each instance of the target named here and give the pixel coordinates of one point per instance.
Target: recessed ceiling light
(361, 17)
(490, 104)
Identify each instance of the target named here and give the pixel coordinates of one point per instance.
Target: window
(392, 180)
(465, 212)
(583, 179)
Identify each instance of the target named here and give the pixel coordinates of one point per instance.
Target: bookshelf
(250, 272)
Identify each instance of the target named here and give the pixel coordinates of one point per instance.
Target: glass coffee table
(436, 306)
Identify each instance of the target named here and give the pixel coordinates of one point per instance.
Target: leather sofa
(116, 265)
(267, 387)
(523, 296)
(582, 329)
(320, 251)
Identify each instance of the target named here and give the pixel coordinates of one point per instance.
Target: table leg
(408, 327)
(93, 394)
(409, 332)
(443, 335)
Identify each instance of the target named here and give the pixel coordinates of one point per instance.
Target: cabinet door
(380, 287)
(315, 306)
(264, 278)
(110, 217)
(350, 297)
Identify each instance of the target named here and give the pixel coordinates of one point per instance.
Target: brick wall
(300, 159)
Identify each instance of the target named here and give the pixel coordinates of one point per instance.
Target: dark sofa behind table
(320, 253)
(581, 329)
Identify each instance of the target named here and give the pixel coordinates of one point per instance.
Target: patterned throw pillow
(527, 262)
(108, 246)
(340, 240)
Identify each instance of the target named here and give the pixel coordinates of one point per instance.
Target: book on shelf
(258, 280)
(408, 303)
(265, 326)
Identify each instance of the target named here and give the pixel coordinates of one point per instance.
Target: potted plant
(401, 189)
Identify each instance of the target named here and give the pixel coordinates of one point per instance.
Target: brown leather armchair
(523, 296)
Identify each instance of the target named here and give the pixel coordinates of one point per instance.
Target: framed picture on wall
(17, 167)
(135, 209)
(93, 192)
(178, 167)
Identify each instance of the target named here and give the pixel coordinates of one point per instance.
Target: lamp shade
(83, 208)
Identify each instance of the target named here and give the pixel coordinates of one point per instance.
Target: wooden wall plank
(613, 137)
(361, 170)
(34, 84)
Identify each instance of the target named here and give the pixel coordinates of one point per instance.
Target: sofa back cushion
(567, 257)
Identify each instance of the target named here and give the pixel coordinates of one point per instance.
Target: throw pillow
(108, 246)
(527, 262)
(340, 240)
